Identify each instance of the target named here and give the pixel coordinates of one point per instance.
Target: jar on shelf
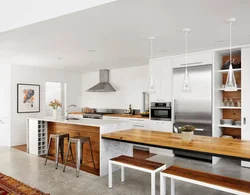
(231, 102)
(239, 103)
(225, 102)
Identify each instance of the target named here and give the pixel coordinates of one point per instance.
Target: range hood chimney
(103, 85)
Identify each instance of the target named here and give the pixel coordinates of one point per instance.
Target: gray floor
(31, 170)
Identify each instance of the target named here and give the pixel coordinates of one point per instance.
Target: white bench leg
(122, 173)
(110, 174)
(163, 185)
(152, 183)
(172, 186)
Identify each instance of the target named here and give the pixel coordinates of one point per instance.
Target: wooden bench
(222, 183)
(138, 164)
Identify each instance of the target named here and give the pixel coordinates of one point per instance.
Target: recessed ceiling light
(60, 58)
(121, 58)
(219, 41)
(164, 51)
(91, 51)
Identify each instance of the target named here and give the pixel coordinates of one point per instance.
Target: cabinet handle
(191, 63)
(244, 120)
(138, 126)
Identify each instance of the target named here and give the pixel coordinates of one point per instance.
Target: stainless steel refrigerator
(194, 107)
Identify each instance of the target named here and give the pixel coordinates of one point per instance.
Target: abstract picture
(28, 98)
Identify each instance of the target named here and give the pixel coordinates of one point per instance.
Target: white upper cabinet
(162, 72)
(202, 58)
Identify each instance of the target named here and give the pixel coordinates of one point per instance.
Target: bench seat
(137, 164)
(218, 182)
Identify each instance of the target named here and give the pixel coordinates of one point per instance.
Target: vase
(187, 136)
(54, 114)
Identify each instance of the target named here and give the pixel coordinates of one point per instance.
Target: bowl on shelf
(226, 121)
(237, 123)
(227, 137)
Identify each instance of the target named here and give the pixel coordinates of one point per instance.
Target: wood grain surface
(76, 130)
(216, 146)
(127, 116)
(227, 182)
(138, 162)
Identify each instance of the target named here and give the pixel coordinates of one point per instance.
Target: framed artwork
(28, 98)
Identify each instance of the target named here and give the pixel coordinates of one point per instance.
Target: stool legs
(57, 151)
(90, 146)
(48, 151)
(78, 157)
(67, 155)
(61, 145)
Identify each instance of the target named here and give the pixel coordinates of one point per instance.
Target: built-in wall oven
(160, 111)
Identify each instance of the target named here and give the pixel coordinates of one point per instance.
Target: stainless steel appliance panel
(194, 107)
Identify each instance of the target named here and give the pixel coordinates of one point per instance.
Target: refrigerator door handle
(196, 129)
(174, 110)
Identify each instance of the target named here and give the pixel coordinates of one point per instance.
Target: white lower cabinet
(164, 126)
(146, 124)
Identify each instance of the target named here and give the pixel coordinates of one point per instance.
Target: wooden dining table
(220, 147)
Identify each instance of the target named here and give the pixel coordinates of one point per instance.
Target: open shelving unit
(226, 112)
(42, 138)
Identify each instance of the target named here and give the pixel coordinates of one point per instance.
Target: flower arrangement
(187, 128)
(55, 104)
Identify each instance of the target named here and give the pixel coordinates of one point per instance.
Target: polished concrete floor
(30, 169)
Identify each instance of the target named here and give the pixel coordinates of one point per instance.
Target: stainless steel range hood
(103, 85)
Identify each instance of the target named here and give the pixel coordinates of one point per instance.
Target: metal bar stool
(59, 145)
(79, 141)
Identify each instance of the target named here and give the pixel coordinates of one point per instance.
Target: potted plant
(187, 132)
(55, 104)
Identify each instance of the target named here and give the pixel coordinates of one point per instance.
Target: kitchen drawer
(203, 58)
(110, 118)
(166, 126)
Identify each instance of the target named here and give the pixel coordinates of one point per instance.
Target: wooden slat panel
(233, 132)
(227, 182)
(204, 144)
(75, 130)
(138, 162)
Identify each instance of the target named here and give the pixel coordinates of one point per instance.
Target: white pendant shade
(231, 82)
(152, 86)
(186, 82)
(152, 89)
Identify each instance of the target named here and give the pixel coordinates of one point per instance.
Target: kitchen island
(39, 129)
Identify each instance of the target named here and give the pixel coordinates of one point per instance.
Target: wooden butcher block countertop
(127, 116)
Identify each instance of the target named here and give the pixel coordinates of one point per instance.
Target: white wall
(5, 105)
(128, 82)
(34, 75)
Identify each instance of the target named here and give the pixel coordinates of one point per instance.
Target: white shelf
(225, 71)
(227, 107)
(223, 89)
(230, 126)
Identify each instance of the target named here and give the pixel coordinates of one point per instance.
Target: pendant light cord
(230, 42)
(151, 56)
(186, 47)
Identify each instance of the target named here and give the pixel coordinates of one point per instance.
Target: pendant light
(186, 83)
(231, 83)
(151, 89)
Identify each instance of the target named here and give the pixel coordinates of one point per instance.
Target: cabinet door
(161, 70)
(245, 97)
(196, 59)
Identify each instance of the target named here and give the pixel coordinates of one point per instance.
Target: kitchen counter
(239, 149)
(83, 121)
(39, 130)
(138, 116)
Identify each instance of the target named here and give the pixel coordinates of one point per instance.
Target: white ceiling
(118, 32)
(15, 13)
